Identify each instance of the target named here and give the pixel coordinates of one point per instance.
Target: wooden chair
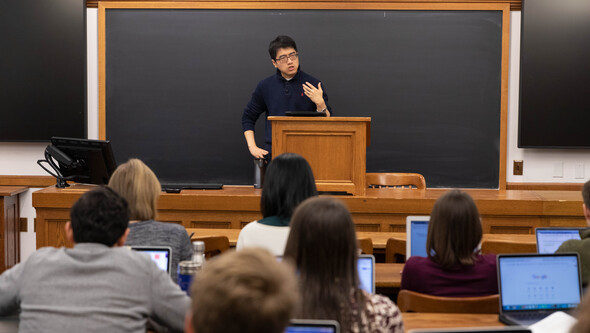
(365, 245)
(502, 246)
(411, 301)
(396, 180)
(214, 245)
(395, 250)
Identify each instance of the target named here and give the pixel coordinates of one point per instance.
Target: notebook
(366, 271)
(549, 239)
(533, 286)
(313, 326)
(161, 255)
(416, 232)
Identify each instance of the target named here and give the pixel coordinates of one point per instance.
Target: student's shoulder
(575, 245)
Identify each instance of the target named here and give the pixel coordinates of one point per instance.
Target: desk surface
(448, 320)
(379, 238)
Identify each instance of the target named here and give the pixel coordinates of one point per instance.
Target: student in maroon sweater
(454, 266)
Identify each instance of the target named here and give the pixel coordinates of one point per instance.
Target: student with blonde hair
(243, 292)
(138, 184)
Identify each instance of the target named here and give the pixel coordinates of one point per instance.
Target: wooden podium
(335, 147)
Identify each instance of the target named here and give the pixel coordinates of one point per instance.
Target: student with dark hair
(96, 286)
(323, 246)
(138, 184)
(243, 292)
(288, 181)
(582, 246)
(453, 266)
(290, 89)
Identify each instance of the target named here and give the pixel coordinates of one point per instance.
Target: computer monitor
(80, 160)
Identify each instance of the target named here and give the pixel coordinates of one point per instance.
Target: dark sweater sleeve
(256, 106)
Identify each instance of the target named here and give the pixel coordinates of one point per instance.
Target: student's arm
(316, 94)
(169, 302)
(10, 289)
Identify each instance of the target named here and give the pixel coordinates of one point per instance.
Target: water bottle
(188, 268)
(259, 171)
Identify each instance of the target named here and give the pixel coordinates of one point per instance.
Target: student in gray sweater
(96, 286)
(138, 184)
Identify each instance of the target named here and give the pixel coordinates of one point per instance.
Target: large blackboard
(177, 81)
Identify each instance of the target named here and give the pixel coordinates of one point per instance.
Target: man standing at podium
(290, 89)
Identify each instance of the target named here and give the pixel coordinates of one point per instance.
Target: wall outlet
(517, 168)
(579, 171)
(558, 170)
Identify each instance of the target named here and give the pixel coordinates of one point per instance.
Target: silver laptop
(549, 239)
(366, 271)
(313, 326)
(533, 286)
(416, 232)
(161, 255)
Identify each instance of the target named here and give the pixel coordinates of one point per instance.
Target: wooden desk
(379, 238)
(388, 275)
(9, 226)
(380, 210)
(448, 320)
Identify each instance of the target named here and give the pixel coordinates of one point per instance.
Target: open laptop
(313, 326)
(549, 239)
(416, 232)
(366, 271)
(161, 255)
(533, 286)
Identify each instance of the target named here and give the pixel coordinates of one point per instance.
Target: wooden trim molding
(28, 181)
(545, 186)
(514, 4)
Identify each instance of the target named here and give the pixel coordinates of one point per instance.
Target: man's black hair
(281, 42)
(99, 216)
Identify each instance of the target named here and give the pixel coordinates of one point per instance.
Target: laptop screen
(416, 232)
(366, 270)
(549, 239)
(313, 326)
(159, 254)
(539, 282)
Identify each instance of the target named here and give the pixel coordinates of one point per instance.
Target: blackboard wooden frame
(313, 5)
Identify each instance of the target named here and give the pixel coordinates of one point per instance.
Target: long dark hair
(454, 230)
(322, 244)
(287, 182)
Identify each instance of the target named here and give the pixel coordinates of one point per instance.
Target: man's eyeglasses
(282, 59)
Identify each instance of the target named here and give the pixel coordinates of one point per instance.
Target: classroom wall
(540, 165)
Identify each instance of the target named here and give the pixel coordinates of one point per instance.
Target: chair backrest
(504, 246)
(396, 180)
(214, 245)
(365, 245)
(411, 301)
(395, 250)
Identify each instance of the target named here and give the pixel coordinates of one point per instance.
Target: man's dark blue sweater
(275, 95)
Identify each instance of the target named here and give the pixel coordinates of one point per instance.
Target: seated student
(287, 182)
(243, 292)
(138, 184)
(582, 246)
(97, 286)
(323, 245)
(453, 266)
